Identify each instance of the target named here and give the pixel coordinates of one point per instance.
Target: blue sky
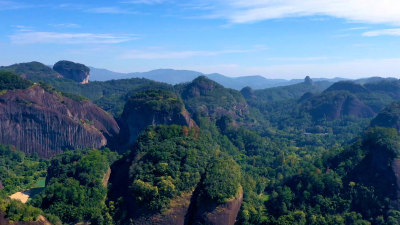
(273, 38)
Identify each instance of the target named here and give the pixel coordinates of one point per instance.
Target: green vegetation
(17, 211)
(10, 81)
(222, 179)
(169, 160)
(150, 101)
(302, 154)
(109, 95)
(204, 97)
(74, 188)
(19, 172)
(30, 70)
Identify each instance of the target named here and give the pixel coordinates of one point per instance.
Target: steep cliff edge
(151, 107)
(45, 122)
(209, 212)
(182, 212)
(74, 71)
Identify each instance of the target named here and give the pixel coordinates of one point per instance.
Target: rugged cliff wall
(188, 209)
(152, 107)
(74, 71)
(35, 120)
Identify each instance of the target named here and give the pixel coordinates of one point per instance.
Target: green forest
(308, 153)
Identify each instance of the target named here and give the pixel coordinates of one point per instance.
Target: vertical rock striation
(35, 120)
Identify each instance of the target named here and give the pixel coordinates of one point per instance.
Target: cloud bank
(366, 11)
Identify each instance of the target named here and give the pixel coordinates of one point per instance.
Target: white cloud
(66, 25)
(367, 11)
(374, 33)
(22, 28)
(148, 2)
(34, 37)
(11, 5)
(109, 10)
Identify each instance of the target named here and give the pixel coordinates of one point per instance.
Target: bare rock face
(74, 71)
(151, 107)
(208, 212)
(35, 120)
(187, 210)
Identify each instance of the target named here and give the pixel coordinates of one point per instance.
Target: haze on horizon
(273, 38)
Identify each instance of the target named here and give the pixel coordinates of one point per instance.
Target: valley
(139, 151)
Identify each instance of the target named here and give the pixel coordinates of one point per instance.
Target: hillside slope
(46, 122)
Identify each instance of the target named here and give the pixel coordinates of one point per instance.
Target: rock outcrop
(187, 209)
(45, 122)
(74, 71)
(151, 107)
(208, 212)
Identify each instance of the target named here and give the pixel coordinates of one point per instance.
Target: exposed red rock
(35, 120)
(205, 212)
(211, 213)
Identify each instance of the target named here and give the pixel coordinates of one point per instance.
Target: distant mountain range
(172, 76)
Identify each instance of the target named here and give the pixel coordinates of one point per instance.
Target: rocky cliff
(187, 209)
(74, 71)
(45, 122)
(209, 212)
(151, 107)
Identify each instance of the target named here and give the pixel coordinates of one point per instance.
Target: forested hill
(137, 151)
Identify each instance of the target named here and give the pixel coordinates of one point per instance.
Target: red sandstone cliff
(35, 120)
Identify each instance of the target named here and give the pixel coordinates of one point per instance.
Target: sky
(273, 38)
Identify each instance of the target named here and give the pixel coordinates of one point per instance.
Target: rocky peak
(308, 81)
(74, 71)
(201, 86)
